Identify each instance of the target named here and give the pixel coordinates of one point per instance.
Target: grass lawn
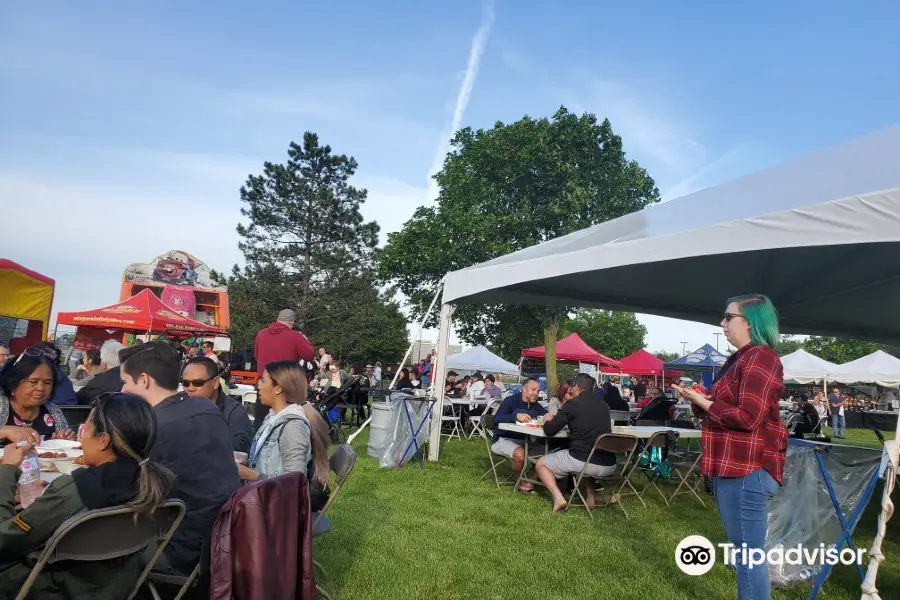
(443, 534)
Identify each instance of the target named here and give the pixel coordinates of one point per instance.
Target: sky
(127, 129)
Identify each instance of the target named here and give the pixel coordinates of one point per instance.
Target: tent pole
(438, 372)
(422, 321)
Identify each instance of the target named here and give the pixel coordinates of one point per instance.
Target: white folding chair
(475, 420)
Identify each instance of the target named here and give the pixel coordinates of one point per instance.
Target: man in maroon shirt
(277, 342)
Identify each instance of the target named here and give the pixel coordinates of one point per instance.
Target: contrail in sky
(465, 90)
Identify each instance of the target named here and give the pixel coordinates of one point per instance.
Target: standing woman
(744, 441)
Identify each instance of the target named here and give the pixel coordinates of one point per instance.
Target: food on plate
(52, 455)
(79, 460)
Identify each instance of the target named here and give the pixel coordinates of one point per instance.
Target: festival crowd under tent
(831, 216)
(143, 313)
(27, 296)
(802, 367)
(878, 367)
(479, 358)
(573, 349)
(642, 363)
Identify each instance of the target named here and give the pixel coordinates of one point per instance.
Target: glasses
(729, 316)
(34, 352)
(196, 382)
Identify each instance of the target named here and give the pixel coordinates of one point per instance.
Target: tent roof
(878, 367)
(573, 349)
(832, 216)
(142, 312)
(641, 363)
(704, 358)
(13, 266)
(803, 367)
(479, 358)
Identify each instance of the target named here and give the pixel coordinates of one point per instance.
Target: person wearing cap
(279, 341)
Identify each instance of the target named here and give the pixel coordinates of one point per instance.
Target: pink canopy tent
(642, 363)
(573, 349)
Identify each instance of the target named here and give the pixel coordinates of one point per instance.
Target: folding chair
(341, 462)
(475, 420)
(452, 418)
(660, 439)
(487, 425)
(687, 454)
(105, 534)
(617, 443)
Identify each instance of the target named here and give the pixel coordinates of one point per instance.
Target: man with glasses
(192, 440)
(200, 379)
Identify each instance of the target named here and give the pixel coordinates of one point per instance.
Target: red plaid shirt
(742, 430)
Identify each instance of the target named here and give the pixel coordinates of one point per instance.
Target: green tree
(840, 350)
(507, 188)
(305, 223)
(666, 356)
(788, 344)
(613, 333)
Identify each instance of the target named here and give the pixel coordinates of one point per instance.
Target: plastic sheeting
(398, 447)
(803, 512)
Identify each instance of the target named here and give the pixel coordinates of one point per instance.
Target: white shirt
(476, 388)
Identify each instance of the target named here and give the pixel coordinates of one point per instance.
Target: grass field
(443, 534)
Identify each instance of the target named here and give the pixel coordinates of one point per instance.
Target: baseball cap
(287, 315)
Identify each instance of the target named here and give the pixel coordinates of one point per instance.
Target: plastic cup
(240, 458)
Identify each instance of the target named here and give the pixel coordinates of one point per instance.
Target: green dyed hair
(762, 316)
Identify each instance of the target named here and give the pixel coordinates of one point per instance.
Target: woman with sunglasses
(118, 435)
(293, 437)
(25, 410)
(744, 441)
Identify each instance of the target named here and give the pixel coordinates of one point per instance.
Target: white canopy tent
(878, 367)
(479, 358)
(819, 235)
(803, 367)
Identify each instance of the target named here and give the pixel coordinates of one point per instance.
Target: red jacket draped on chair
(262, 543)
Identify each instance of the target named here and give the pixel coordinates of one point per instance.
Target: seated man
(200, 379)
(809, 418)
(192, 440)
(521, 407)
(586, 419)
(491, 389)
(108, 379)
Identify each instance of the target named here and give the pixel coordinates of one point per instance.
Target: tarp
(803, 367)
(26, 295)
(704, 358)
(832, 216)
(878, 367)
(142, 312)
(479, 358)
(573, 349)
(642, 363)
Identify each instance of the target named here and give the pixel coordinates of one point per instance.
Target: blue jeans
(837, 425)
(743, 506)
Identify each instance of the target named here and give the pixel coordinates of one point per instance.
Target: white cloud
(465, 91)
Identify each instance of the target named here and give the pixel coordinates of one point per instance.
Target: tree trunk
(550, 333)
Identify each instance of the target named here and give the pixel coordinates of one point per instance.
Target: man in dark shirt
(200, 379)
(587, 417)
(192, 440)
(521, 407)
(809, 418)
(836, 406)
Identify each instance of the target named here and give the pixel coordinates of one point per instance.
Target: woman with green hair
(744, 441)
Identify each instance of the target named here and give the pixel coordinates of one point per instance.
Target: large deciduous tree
(840, 350)
(613, 333)
(504, 189)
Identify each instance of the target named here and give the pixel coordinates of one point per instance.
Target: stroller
(328, 400)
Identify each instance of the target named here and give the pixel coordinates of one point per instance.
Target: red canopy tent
(573, 349)
(142, 312)
(642, 363)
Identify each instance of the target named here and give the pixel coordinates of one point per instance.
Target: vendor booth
(26, 296)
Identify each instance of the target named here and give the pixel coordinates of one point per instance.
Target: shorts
(506, 446)
(561, 464)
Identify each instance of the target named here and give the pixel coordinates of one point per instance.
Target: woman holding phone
(744, 441)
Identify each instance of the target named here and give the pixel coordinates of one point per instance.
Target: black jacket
(107, 381)
(587, 417)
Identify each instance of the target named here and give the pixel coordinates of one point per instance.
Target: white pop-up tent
(479, 358)
(878, 367)
(803, 367)
(830, 220)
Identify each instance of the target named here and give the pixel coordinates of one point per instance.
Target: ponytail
(154, 484)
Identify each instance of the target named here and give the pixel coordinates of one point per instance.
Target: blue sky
(127, 130)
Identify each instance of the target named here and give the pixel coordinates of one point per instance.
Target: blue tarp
(705, 358)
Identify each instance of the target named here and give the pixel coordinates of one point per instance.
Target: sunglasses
(729, 316)
(37, 353)
(196, 382)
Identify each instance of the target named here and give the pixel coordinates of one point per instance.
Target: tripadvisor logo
(696, 555)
